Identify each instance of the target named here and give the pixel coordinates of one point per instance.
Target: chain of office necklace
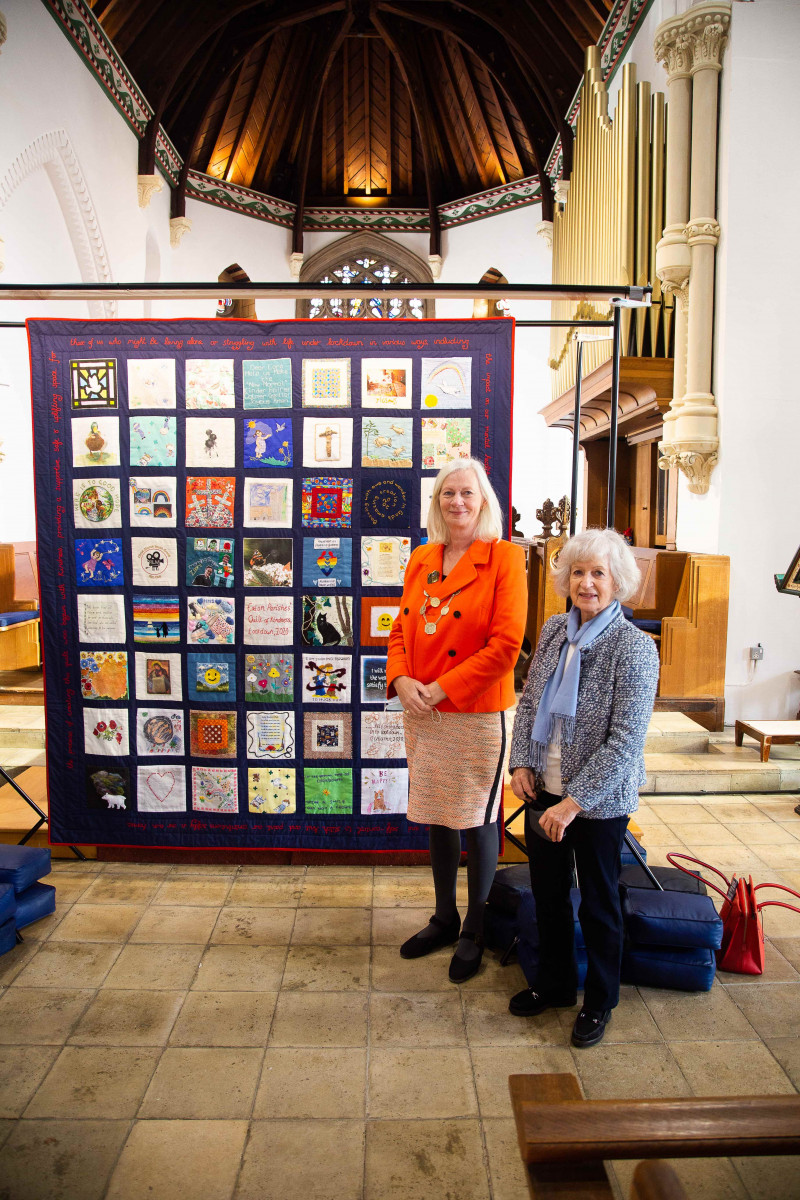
(434, 601)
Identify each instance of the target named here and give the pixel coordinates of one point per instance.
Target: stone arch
(53, 152)
(365, 244)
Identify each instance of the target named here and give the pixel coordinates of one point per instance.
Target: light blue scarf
(560, 696)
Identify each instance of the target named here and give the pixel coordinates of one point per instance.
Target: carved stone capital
(544, 230)
(178, 226)
(693, 41)
(673, 260)
(561, 191)
(296, 263)
(435, 264)
(3, 29)
(146, 187)
(696, 465)
(704, 231)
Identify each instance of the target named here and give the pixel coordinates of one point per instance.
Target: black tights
(482, 849)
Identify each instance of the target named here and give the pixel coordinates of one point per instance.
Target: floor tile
(69, 965)
(709, 833)
(338, 892)
(197, 893)
(429, 1082)
(331, 927)
(323, 1159)
(392, 926)
(128, 1018)
(265, 892)
(731, 811)
(781, 857)
(224, 1019)
(315, 1081)
(493, 977)
(630, 1072)
(203, 870)
(507, 1171)
(416, 1019)
(631, 1022)
(787, 1052)
(773, 1011)
(6, 1126)
(763, 833)
(489, 1023)
(69, 889)
(678, 814)
(320, 1019)
(327, 969)
(160, 967)
(73, 1159)
(395, 891)
(328, 871)
(176, 1159)
(253, 926)
(425, 1160)
(40, 1016)
(13, 962)
(97, 923)
(203, 1084)
(121, 889)
(788, 948)
(769, 1178)
(493, 1065)
(182, 925)
(719, 1069)
(40, 931)
(156, 870)
(240, 969)
(22, 1069)
(391, 973)
(105, 1082)
(695, 1016)
(283, 871)
(779, 922)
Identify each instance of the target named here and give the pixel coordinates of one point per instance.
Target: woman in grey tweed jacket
(577, 763)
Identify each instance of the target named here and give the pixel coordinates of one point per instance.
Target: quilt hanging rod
(627, 295)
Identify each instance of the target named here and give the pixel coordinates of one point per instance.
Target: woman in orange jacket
(452, 652)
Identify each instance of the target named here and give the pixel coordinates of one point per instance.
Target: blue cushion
(499, 928)
(508, 885)
(671, 919)
(8, 902)
(8, 936)
(528, 928)
(23, 865)
(689, 970)
(37, 901)
(14, 618)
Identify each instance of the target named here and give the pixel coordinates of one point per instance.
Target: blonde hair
(490, 520)
(601, 545)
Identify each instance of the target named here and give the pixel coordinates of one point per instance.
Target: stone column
(690, 438)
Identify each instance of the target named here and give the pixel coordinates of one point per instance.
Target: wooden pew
(19, 592)
(543, 600)
(565, 1139)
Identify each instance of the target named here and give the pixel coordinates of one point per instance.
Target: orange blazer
(475, 648)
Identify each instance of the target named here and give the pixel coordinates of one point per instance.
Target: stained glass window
(359, 268)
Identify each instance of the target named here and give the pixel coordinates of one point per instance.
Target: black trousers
(593, 848)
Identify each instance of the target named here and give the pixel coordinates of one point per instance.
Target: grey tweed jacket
(604, 767)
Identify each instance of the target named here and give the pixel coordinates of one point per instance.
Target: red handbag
(742, 949)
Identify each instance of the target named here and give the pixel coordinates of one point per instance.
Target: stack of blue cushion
(22, 898)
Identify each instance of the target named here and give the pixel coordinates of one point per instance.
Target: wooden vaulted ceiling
(403, 103)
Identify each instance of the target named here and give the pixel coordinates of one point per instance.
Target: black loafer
(462, 969)
(589, 1027)
(529, 1003)
(418, 946)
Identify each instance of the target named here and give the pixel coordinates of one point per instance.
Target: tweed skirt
(455, 768)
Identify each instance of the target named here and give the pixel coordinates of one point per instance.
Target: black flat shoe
(462, 969)
(529, 1003)
(590, 1027)
(418, 946)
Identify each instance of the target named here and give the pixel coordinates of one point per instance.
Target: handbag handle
(779, 903)
(695, 875)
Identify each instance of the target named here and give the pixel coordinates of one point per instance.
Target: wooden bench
(565, 1139)
(768, 734)
(20, 645)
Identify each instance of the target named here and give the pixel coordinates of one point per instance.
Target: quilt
(225, 511)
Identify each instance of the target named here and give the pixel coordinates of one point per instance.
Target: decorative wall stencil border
(81, 26)
(54, 153)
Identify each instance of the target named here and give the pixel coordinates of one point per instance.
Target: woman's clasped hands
(554, 820)
(418, 698)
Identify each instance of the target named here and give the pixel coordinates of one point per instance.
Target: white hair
(599, 545)
(490, 521)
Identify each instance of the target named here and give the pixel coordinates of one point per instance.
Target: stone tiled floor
(251, 1033)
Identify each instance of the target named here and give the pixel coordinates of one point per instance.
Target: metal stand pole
(576, 439)
(612, 434)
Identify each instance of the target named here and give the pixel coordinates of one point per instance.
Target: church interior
(611, 184)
